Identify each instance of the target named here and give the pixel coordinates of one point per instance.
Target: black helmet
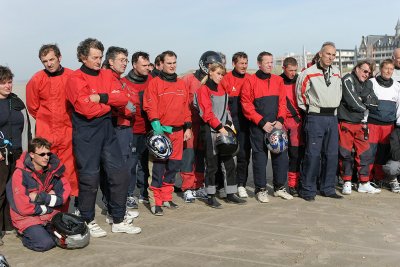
(159, 145)
(71, 231)
(207, 58)
(227, 145)
(277, 140)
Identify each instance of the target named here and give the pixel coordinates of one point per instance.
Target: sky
(187, 27)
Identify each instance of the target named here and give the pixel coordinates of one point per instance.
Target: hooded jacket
(24, 212)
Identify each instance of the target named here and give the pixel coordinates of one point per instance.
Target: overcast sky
(187, 27)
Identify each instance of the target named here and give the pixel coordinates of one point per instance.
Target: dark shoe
(157, 211)
(334, 195)
(309, 199)
(233, 198)
(170, 205)
(293, 191)
(213, 203)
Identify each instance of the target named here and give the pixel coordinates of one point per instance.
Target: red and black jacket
(167, 100)
(138, 84)
(263, 98)
(232, 83)
(25, 212)
(293, 110)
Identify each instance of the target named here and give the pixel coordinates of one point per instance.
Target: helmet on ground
(227, 145)
(70, 230)
(207, 58)
(277, 140)
(159, 145)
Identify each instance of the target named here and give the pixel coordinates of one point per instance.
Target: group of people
(92, 126)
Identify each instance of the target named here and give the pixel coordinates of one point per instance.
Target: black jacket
(357, 97)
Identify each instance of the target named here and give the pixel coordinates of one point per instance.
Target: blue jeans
(38, 238)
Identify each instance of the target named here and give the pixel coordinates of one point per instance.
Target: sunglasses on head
(44, 154)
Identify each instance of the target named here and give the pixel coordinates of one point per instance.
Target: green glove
(156, 125)
(167, 129)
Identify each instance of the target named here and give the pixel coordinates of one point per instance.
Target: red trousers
(351, 136)
(162, 172)
(295, 150)
(192, 169)
(380, 149)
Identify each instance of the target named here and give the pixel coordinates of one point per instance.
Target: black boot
(233, 198)
(212, 202)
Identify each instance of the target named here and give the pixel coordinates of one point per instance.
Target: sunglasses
(43, 154)
(365, 71)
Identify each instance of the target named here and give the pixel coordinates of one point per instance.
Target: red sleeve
(205, 106)
(282, 102)
(22, 201)
(32, 96)
(247, 99)
(150, 100)
(188, 112)
(225, 84)
(78, 92)
(117, 96)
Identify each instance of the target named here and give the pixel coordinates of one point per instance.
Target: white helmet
(277, 140)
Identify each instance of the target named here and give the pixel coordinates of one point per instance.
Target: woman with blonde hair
(212, 101)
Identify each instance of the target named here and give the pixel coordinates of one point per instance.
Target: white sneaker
(283, 194)
(77, 212)
(95, 230)
(188, 196)
(129, 216)
(200, 193)
(346, 190)
(262, 196)
(394, 186)
(368, 188)
(222, 193)
(242, 192)
(125, 227)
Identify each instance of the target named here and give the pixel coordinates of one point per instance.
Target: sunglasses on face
(43, 154)
(365, 71)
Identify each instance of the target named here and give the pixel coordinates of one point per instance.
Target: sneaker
(233, 198)
(129, 216)
(131, 203)
(283, 194)
(200, 193)
(77, 212)
(125, 227)
(95, 230)
(293, 191)
(213, 202)
(222, 193)
(144, 200)
(188, 196)
(346, 190)
(170, 205)
(394, 186)
(242, 192)
(368, 188)
(157, 211)
(262, 196)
